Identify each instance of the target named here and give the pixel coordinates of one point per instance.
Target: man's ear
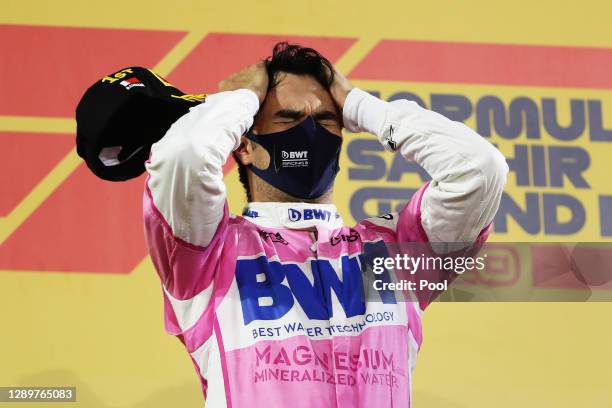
(243, 152)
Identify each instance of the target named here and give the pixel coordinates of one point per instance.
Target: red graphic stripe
(86, 225)
(499, 64)
(46, 70)
(26, 159)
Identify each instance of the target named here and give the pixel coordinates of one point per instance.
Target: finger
(339, 73)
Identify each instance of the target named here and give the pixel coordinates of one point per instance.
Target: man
(268, 304)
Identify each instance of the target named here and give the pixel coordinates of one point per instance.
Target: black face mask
(304, 159)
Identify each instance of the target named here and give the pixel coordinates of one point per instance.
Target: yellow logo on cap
(191, 98)
(117, 76)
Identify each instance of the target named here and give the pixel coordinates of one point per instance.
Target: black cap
(122, 115)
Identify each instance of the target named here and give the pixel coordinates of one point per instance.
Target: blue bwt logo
(251, 213)
(311, 214)
(271, 298)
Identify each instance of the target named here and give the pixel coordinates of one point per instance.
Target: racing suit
(269, 304)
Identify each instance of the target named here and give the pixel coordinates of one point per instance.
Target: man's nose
(310, 123)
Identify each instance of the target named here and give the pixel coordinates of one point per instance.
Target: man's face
(293, 99)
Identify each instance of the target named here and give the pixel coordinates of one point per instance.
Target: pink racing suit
(269, 304)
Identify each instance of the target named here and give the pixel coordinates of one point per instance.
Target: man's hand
(340, 89)
(253, 77)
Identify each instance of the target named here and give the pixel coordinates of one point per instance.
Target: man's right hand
(253, 77)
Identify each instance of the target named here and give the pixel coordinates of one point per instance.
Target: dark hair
(293, 59)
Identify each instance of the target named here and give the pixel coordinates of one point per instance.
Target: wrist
(339, 96)
(251, 99)
(363, 112)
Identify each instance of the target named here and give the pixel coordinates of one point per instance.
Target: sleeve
(453, 212)
(184, 205)
(467, 172)
(186, 166)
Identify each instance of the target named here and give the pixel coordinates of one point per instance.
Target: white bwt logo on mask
(295, 158)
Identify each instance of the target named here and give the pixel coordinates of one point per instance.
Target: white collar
(292, 215)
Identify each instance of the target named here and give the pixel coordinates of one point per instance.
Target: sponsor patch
(274, 237)
(294, 158)
(131, 83)
(350, 237)
(296, 215)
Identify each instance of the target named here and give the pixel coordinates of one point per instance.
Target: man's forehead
(290, 80)
(295, 92)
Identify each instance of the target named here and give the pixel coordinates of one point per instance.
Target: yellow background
(104, 333)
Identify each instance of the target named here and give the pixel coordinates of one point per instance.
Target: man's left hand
(340, 89)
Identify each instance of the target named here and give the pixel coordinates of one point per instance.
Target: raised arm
(468, 173)
(186, 166)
